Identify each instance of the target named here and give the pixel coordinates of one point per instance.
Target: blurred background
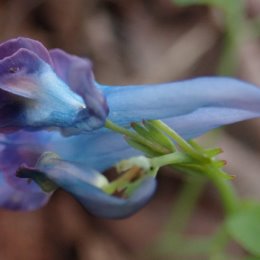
(140, 41)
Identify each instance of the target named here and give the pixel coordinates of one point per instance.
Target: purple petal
(77, 73)
(10, 47)
(15, 199)
(17, 149)
(14, 70)
(34, 97)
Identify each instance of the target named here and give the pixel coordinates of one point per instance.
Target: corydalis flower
(43, 90)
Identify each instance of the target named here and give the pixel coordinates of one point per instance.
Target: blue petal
(83, 184)
(209, 118)
(99, 150)
(77, 73)
(192, 107)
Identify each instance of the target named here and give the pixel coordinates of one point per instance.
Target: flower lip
(85, 185)
(53, 89)
(10, 47)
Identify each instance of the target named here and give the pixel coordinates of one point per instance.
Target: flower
(45, 90)
(85, 183)
(34, 95)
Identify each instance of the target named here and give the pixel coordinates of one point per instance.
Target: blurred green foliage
(233, 11)
(244, 227)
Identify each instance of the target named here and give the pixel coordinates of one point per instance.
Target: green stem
(224, 186)
(168, 159)
(191, 158)
(218, 244)
(181, 213)
(227, 193)
(226, 190)
(154, 146)
(184, 145)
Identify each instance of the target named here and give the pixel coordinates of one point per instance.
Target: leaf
(252, 258)
(244, 227)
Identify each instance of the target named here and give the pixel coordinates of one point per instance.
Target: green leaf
(147, 151)
(158, 136)
(244, 227)
(252, 258)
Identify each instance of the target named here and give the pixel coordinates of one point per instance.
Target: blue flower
(45, 90)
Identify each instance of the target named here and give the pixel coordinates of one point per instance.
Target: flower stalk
(190, 158)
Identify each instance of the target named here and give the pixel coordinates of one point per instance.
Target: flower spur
(51, 102)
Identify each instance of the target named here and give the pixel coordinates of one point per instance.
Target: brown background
(137, 41)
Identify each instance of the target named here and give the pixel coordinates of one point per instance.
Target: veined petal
(84, 185)
(191, 106)
(21, 148)
(16, 199)
(77, 73)
(10, 47)
(16, 149)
